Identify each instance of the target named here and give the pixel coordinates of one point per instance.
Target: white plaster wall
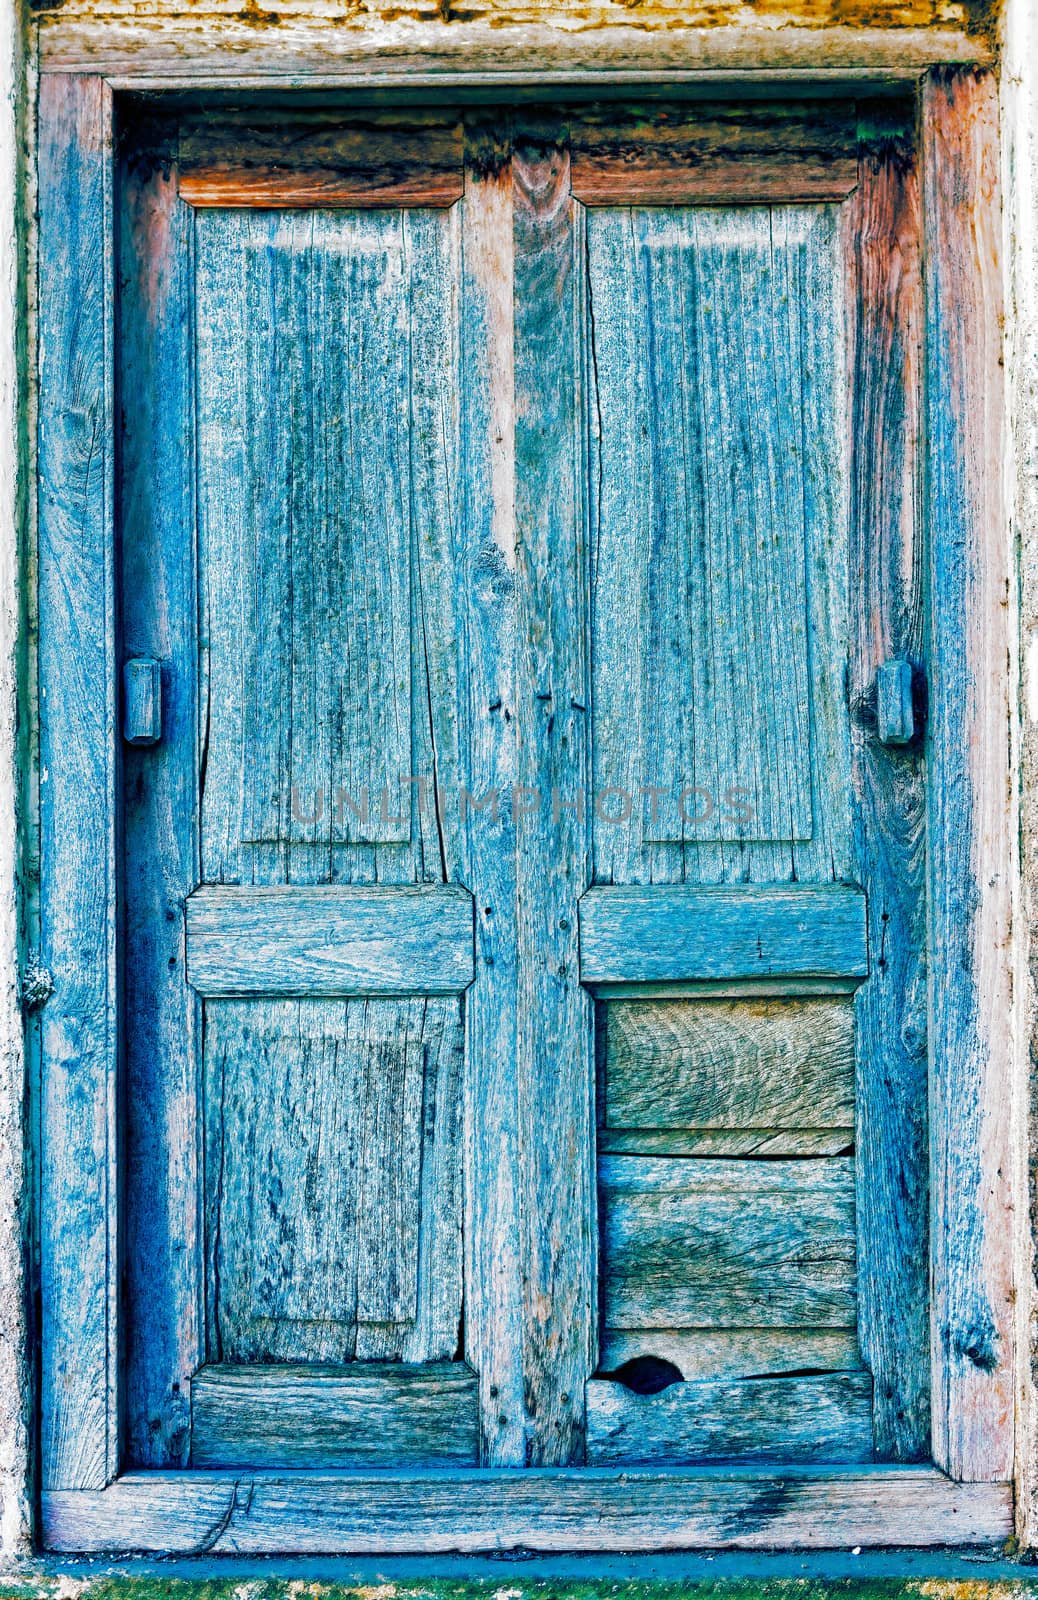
(14, 1408)
(1020, 234)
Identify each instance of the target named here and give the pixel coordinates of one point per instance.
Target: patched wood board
(727, 1243)
(729, 1064)
(825, 1418)
(702, 1353)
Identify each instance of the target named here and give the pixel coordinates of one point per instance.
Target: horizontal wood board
(714, 1244)
(727, 1065)
(715, 155)
(670, 933)
(314, 162)
(700, 1354)
(607, 1510)
(367, 1414)
(329, 941)
(765, 1419)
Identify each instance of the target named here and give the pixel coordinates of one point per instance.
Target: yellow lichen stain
(978, 16)
(965, 1589)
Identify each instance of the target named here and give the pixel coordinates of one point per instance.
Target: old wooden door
(523, 944)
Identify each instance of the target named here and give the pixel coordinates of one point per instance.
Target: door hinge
(896, 722)
(142, 701)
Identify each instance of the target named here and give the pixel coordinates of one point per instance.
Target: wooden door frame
(966, 1496)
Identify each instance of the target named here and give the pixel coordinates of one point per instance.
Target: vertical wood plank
(554, 1036)
(493, 1274)
(155, 500)
(968, 822)
(78, 1274)
(883, 243)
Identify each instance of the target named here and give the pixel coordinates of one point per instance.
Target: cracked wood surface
(618, 1510)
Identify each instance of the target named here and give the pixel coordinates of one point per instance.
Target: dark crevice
(646, 1375)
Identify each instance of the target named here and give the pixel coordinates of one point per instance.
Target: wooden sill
(556, 1510)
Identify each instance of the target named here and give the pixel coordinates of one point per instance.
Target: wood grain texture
(554, 1021)
(78, 1270)
(607, 1510)
(883, 224)
(284, 47)
(968, 823)
(304, 469)
(718, 526)
(704, 1353)
(718, 1244)
(326, 462)
(769, 1419)
(164, 1323)
(668, 933)
(487, 606)
(714, 155)
(760, 1143)
(729, 1064)
(333, 1180)
(329, 941)
(314, 161)
(362, 1415)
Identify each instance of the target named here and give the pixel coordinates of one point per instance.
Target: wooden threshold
(660, 934)
(329, 941)
(552, 1510)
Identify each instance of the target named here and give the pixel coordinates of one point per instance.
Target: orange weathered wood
(293, 163)
(883, 250)
(715, 155)
(970, 845)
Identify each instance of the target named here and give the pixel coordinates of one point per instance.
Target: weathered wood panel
(78, 1271)
(714, 155)
(317, 1418)
(718, 530)
(762, 1143)
(554, 1020)
(969, 838)
(394, 49)
(726, 1243)
(772, 1419)
(333, 1180)
(609, 1510)
(323, 456)
(303, 464)
(664, 933)
(164, 1333)
(487, 563)
(729, 1064)
(700, 527)
(328, 941)
(883, 244)
(266, 161)
(704, 1353)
